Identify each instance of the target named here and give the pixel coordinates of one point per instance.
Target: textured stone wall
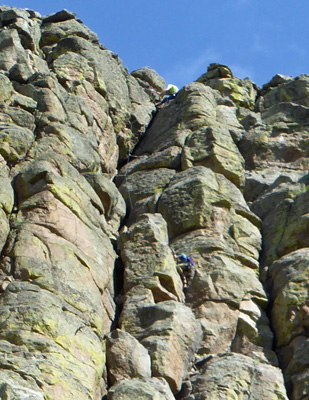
(99, 191)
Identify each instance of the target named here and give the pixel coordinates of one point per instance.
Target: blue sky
(180, 38)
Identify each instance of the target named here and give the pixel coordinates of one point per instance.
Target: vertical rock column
(65, 103)
(189, 170)
(277, 149)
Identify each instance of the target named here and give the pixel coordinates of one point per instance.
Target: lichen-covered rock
(289, 293)
(225, 293)
(6, 202)
(148, 259)
(111, 199)
(75, 269)
(290, 316)
(214, 148)
(142, 189)
(208, 218)
(193, 108)
(283, 208)
(280, 138)
(227, 116)
(279, 149)
(26, 23)
(168, 158)
(62, 109)
(15, 61)
(13, 386)
(15, 142)
(253, 335)
(75, 59)
(185, 203)
(55, 349)
(285, 90)
(143, 389)
(234, 376)
(192, 121)
(220, 77)
(56, 27)
(6, 88)
(168, 330)
(93, 300)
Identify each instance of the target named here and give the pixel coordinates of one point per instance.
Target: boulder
(15, 142)
(144, 389)
(74, 128)
(284, 90)
(228, 116)
(168, 158)
(220, 286)
(56, 27)
(168, 330)
(69, 266)
(47, 92)
(14, 59)
(253, 336)
(142, 189)
(187, 200)
(27, 25)
(277, 80)
(235, 376)
(220, 77)
(6, 88)
(147, 75)
(63, 15)
(296, 374)
(148, 259)
(76, 148)
(18, 116)
(126, 358)
(214, 149)
(279, 137)
(13, 386)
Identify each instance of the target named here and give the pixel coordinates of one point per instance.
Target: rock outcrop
(100, 191)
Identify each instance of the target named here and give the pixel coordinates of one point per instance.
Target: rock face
(100, 193)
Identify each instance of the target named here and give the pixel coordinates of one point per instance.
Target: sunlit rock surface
(100, 191)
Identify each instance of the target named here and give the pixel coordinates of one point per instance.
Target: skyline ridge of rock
(100, 190)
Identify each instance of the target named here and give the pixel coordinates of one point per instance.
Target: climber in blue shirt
(185, 268)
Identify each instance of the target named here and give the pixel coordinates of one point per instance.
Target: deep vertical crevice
(118, 291)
